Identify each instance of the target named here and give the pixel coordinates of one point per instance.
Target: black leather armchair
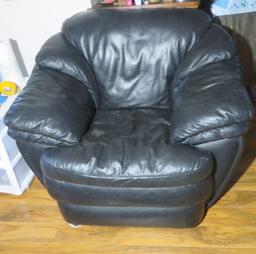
(134, 117)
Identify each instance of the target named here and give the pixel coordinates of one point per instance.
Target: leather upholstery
(211, 112)
(32, 153)
(227, 154)
(62, 120)
(128, 148)
(179, 217)
(126, 112)
(123, 55)
(174, 196)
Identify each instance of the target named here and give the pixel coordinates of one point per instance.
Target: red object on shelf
(108, 1)
(129, 2)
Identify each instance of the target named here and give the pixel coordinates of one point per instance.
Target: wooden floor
(32, 224)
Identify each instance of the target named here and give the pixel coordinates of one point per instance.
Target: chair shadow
(249, 79)
(249, 154)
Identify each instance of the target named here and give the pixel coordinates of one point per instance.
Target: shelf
(15, 160)
(4, 180)
(23, 177)
(2, 164)
(189, 4)
(4, 108)
(10, 147)
(15, 174)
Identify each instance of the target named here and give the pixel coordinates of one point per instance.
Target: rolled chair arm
(211, 104)
(53, 109)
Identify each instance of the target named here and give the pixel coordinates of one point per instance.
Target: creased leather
(129, 147)
(134, 53)
(52, 109)
(215, 46)
(227, 132)
(211, 104)
(58, 54)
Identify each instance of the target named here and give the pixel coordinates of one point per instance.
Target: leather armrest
(58, 54)
(53, 109)
(211, 104)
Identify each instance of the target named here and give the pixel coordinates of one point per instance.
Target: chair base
(177, 217)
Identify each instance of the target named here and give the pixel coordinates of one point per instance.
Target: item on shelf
(3, 99)
(103, 3)
(138, 2)
(183, 1)
(96, 3)
(226, 7)
(12, 69)
(8, 88)
(125, 2)
(154, 1)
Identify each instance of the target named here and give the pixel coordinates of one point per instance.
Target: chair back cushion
(134, 53)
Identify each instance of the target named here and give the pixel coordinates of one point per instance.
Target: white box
(15, 175)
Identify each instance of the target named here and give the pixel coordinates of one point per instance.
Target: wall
(31, 22)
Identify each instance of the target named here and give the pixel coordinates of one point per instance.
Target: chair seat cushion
(128, 148)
